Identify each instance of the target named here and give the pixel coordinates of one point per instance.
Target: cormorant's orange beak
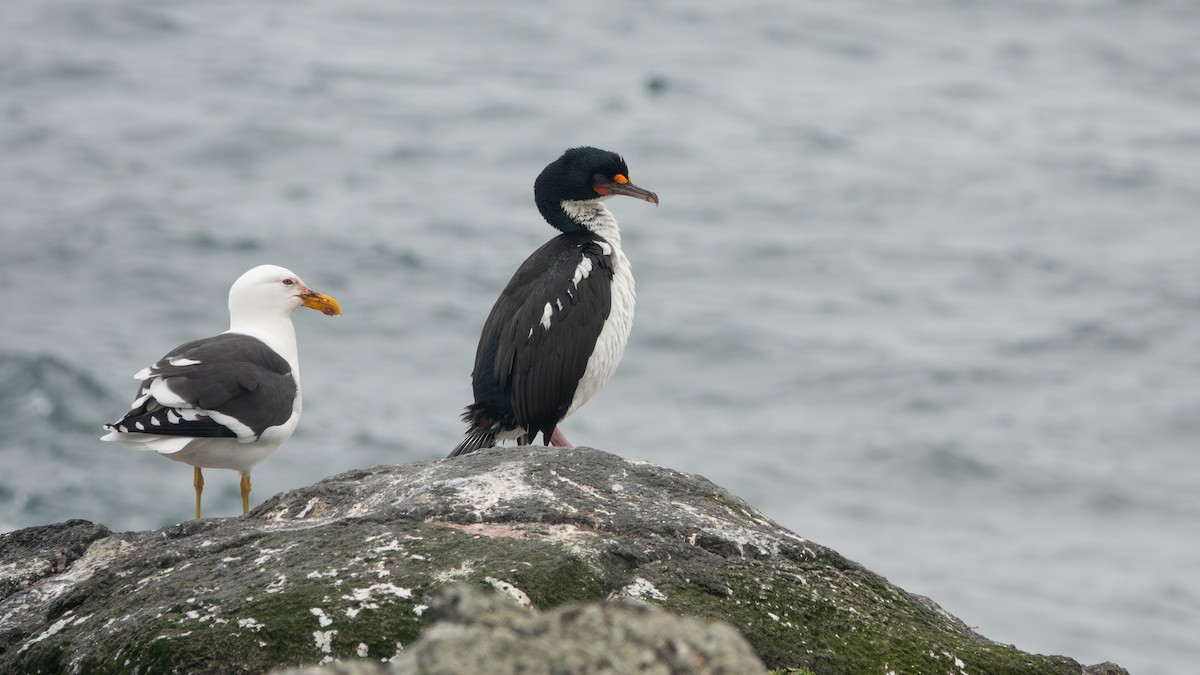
(622, 186)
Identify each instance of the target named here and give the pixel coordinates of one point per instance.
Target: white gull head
(261, 303)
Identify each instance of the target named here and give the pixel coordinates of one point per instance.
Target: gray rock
(38, 565)
(1106, 668)
(33, 554)
(477, 633)
(348, 567)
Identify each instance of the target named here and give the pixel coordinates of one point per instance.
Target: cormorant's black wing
(542, 330)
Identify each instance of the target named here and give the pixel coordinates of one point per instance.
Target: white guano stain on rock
(480, 494)
(640, 589)
(267, 554)
(53, 629)
(308, 507)
(446, 576)
(393, 545)
(958, 663)
(100, 555)
(321, 618)
(730, 531)
(277, 585)
(512, 591)
(324, 641)
(366, 597)
(586, 489)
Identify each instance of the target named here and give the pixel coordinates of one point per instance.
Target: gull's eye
(601, 178)
(289, 282)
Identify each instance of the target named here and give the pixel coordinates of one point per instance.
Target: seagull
(227, 401)
(558, 330)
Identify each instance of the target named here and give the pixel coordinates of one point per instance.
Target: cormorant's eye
(601, 178)
(289, 282)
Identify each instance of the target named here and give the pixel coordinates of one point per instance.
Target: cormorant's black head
(582, 175)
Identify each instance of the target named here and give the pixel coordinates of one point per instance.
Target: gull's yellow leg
(198, 483)
(245, 493)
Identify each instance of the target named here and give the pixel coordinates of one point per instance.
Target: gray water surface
(924, 285)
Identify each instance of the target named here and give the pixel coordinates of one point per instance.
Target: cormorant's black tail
(482, 432)
(476, 440)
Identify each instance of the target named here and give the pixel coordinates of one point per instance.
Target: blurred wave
(40, 395)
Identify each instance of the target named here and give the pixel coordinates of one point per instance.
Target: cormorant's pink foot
(559, 440)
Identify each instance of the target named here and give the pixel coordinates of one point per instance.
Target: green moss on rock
(347, 568)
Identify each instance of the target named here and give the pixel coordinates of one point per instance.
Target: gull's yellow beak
(314, 300)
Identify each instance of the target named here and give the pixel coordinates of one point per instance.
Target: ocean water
(924, 285)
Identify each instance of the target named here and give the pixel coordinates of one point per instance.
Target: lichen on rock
(475, 632)
(349, 568)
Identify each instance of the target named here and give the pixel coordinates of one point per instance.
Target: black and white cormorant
(558, 330)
